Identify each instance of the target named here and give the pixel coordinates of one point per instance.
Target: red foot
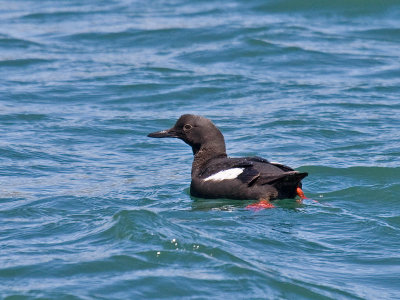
(263, 204)
(300, 193)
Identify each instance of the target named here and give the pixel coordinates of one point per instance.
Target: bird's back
(245, 178)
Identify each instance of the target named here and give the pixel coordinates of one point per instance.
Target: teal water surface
(91, 208)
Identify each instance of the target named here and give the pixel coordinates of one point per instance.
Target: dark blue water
(91, 208)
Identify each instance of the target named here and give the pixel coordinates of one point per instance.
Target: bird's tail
(288, 183)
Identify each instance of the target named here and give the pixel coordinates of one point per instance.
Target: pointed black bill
(163, 134)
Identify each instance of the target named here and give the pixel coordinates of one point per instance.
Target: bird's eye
(187, 127)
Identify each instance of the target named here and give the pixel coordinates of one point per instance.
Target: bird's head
(196, 131)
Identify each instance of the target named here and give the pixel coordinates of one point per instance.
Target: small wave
(25, 117)
(22, 62)
(383, 174)
(351, 7)
(386, 34)
(58, 15)
(8, 41)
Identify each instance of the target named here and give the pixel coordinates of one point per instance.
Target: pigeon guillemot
(215, 175)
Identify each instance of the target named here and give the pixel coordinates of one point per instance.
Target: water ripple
(93, 209)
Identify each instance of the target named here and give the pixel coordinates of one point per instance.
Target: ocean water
(91, 208)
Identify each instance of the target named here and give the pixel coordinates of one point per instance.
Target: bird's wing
(251, 175)
(249, 170)
(262, 160)
(260, 171)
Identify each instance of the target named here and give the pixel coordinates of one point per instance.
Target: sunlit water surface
(91, 208)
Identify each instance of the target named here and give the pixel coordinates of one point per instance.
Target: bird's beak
(171, 133)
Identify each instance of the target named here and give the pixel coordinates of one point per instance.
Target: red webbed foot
(262, 204)
(300, 193)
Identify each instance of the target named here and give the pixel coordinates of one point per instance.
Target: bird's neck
(204, 153)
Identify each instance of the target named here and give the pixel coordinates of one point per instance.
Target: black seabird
(215, 175)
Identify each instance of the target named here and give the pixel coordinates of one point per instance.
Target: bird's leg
(300, 193)
(263, 203)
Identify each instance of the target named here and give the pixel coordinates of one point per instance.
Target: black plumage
(215, 175)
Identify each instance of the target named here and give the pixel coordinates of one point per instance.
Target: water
(91, 208)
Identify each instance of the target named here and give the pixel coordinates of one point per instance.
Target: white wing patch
(225, 174)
